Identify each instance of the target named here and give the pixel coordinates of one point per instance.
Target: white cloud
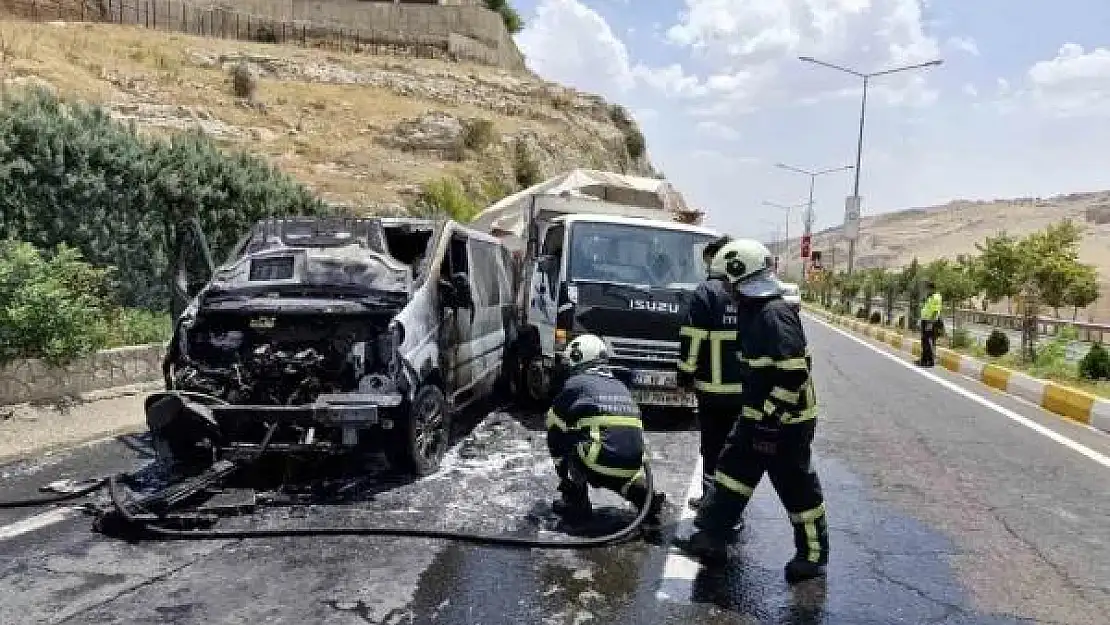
(971, 90)
(1073, 83)
(964, 44)
(717, 130)
(571, 43)
(759, 41)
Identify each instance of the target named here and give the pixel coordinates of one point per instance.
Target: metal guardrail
(1046, 326)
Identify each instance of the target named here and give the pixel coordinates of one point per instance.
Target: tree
(908, 280)
(1083, 289)
(1050, 261)
(887, 285)
(954, 281)
(999, 269)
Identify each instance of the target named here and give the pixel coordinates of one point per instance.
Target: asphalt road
(942, 510)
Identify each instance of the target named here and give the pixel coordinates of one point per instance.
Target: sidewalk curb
(1064, 401)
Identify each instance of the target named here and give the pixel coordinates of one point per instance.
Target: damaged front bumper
(333, 423)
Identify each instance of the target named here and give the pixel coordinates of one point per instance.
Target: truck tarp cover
(644, 197)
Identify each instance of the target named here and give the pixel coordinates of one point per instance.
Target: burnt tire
(422, 439)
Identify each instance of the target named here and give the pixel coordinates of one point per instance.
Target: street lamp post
(862, 113)
(785, 252)
(809, 210)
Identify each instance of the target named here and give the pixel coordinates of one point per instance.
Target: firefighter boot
(709, 547)
(695, 503)
(574, 505)
(637, 494)
(811, 540)
(798, 570)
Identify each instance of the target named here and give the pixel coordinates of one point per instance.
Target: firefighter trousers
(715, 420)
(784, 453)
(576, 477)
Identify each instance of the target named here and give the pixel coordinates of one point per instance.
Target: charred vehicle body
(330, 336)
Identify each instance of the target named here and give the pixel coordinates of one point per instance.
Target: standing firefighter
(930, 318)
(595, 435)
(706, 361)
(778, 420)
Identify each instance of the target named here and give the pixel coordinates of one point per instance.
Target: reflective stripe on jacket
(707, 340)
(775, 364)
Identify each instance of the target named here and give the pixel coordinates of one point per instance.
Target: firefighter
(930, 317)
(595, 435)
(707, 335)
(777, 424)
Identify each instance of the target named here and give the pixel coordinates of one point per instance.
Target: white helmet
(586, 351)
(748, 265)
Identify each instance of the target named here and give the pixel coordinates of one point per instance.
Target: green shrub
(445, 197)
(998, 343)
(130, 326)
(478, 134)
(876, 317)
(513, 23)
(1095, 365)
(243, 82)
(861, 313)
(635, 143)
(961, 338)
(52, 305)
(525, 168)
(73, 175)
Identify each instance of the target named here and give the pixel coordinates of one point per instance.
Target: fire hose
(148, 530)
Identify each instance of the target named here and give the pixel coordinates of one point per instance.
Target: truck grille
(642, 350)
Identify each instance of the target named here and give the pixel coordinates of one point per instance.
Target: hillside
(893, 239)
(361, 130)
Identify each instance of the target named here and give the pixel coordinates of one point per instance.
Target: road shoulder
(29, 430)
(1063, 401)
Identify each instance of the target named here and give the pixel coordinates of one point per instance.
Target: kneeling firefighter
(778, 420)
(595, 435)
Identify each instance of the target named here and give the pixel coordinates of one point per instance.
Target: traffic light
(815, 259)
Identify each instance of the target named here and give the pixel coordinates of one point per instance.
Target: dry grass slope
(364, 131)
(893, 239)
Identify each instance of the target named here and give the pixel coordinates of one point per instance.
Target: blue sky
(1020, 106)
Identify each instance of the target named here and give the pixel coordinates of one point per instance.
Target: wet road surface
(942, 510)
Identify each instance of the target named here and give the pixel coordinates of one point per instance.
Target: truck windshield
(636, 255)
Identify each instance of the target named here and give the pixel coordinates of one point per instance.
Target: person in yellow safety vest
(778, 421)
(930, 315)
(595, 436)
(707, 340)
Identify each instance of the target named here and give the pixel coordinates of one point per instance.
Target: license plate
(664, 379)
(665, 398)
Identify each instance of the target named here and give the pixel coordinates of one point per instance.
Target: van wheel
(424, 437)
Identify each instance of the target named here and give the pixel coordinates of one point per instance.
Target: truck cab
(625, 279)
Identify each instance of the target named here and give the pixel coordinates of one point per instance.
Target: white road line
(36, 522)
(955, 388)
(680, 570)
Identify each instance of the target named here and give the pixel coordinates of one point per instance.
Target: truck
(604, 254)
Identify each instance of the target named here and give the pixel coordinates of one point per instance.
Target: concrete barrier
(1062, 400)
(33, 380)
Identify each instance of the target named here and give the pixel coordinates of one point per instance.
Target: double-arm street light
(808, 221)
(854, 202)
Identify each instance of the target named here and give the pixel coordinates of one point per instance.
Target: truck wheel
(424, 436)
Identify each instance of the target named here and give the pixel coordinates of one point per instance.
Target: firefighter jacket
(930, 310)
(708, 341)
(595, 416)
(775, 364)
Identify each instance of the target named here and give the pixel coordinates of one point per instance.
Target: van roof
(635, 221)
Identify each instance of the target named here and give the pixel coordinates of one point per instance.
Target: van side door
(490, 277)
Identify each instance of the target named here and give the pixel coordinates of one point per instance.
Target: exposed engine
(285, 360)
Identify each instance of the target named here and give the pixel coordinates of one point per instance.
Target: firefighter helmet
(748, 265)
(586, 351)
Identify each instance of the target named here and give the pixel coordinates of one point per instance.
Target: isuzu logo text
(663, 307)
